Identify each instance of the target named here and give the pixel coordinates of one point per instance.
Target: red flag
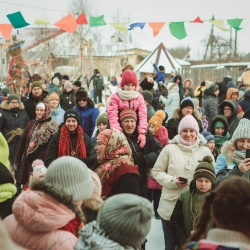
(82, 19)
(6, 30)
(197, 20)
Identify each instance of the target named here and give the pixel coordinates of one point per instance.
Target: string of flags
(70, 24)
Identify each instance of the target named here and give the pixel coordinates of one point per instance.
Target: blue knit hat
(208, 136)
(231, 84)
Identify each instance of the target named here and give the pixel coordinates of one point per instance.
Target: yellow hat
(157, 119)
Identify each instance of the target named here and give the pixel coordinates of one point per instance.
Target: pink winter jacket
(35, 221)
(116, 105)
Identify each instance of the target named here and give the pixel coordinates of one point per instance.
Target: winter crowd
(77, 173)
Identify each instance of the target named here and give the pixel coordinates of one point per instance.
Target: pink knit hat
(97, 188)
(129, 76)
(188, 121)
(38, 169)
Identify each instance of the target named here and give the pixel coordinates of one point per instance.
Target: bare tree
(179, 51)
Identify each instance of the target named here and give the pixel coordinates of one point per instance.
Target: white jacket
(172, 162)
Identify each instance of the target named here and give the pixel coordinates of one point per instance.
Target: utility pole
(235, 46)
(210, 42)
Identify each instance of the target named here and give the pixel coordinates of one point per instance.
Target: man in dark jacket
(98, 87)
(77, 85)
(245, 103)
(223, 88)
(186, 108)
(145, 157)
(37, 94)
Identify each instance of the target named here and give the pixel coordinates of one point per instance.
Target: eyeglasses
(14, 102)
(82, 100)
(227, 109)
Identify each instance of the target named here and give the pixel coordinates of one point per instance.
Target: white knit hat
(242, 130)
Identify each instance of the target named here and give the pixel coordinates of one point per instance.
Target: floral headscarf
(117, 151)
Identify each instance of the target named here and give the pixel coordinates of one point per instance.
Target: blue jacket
(160, 76)
(58, 114)
(88, 116)
(221, 162)
(53, 88)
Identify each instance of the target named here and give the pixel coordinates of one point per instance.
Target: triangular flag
(156, 27)
(235, 23)
(178, 30)
(120, 26)
(41, 21)
(82, 19)
(134, 25)
(67, 23)
(219, 24)
(6, 30)
(17, 20)
(96, 21)
(197, 20)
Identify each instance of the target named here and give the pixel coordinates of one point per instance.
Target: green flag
(96, 21)
(178, 30)
(235, 23)
(17, 20)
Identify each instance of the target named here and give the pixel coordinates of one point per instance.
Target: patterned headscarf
(117, 151)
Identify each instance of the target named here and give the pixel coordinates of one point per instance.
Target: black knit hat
(77, 83)
(71, 113)
(147, 95)
(161, 68)
(203, 83)
(147, 84)
(65, 77)
(187, 102)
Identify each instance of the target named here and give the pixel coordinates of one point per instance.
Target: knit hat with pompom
(157, 119)
(38, 168)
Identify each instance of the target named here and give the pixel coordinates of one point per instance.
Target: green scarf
(220, 139)
(239, 156)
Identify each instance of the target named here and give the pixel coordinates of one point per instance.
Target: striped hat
(128, 114)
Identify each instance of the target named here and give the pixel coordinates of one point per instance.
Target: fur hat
(38, 168)
(126, 219)
(35, 85)
(4, 151)
(53, 96)
(147, 84)
(56, 81)
(65, 77)
(78, 83)
(129, 76)
(148, 96)
(188, 121)
(12, 97)
(68, 85)
(242, 130)
(208, 136)
(157, 119)
(72, 175)
(187, 102)
(71, 113)
(81, 95)
(97, 185)
(127, 114)
(102, 118)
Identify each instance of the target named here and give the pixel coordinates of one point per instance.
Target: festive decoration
(17, 20)
(120, 26)
(134, 25)
(67, 23)
(82, 19)
(156, 27)
(235, 23)
(6, 30)
(219, 24)
(96, 21)
(178, 30)
(41, 21)
(197, 20)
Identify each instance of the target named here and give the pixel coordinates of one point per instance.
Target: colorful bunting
(235, 23)
(178, 30)
(42, 21)
(219, 24)
(82, 19)
(96, 21)
(120, 26)
(67, 23)
(156, 27)
(17, 20)
(6, 30)
(197, 20)
(134, 25)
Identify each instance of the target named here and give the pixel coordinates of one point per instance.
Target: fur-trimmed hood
(190, 85)
(94, 203)
(173, 87)
(228, 150)
(6, 106)
(178, 116)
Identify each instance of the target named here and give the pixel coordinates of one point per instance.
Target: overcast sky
(146, 11)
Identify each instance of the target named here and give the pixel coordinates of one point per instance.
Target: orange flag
(67, 23)
(156, 27)
(6, 30)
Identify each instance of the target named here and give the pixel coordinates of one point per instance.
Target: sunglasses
(82, 100)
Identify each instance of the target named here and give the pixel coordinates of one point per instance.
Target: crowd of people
(87, 169)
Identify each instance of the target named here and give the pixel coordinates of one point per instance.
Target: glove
(142, 140)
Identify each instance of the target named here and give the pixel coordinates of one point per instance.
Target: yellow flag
(120, 26)
(219, 24)
(41, 21)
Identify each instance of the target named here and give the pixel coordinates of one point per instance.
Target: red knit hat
(129, 76)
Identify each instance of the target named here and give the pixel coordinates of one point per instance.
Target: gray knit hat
(126, 218)
(72, 175)
(242, 130)
(68, 85)
(148, 96)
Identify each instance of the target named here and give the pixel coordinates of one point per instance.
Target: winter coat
(232, 120)
(245, 103)
(37, 218)
(88, 116)
(223, 89)
(210, 106)
(173, 100)
(150, 112)
(67, 100)
(30, 104)
(172, 162)
(116, 105)
(58, 114)
(189, 90)
(160, 76)
(52, 152)
(172, 125)
(53, 88)
(12, 126)
(98, 82)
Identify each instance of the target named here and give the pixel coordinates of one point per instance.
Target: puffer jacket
(116, 105)
(58, 114)
(173, 161)
(173, 100)
(37, 218)
(12, 126)
(160, 76)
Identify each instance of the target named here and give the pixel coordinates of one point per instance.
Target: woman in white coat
(173, 100)
(178, 159)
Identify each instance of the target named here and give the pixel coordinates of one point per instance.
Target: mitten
(142, 140)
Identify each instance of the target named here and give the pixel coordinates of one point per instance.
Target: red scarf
(65, 146)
